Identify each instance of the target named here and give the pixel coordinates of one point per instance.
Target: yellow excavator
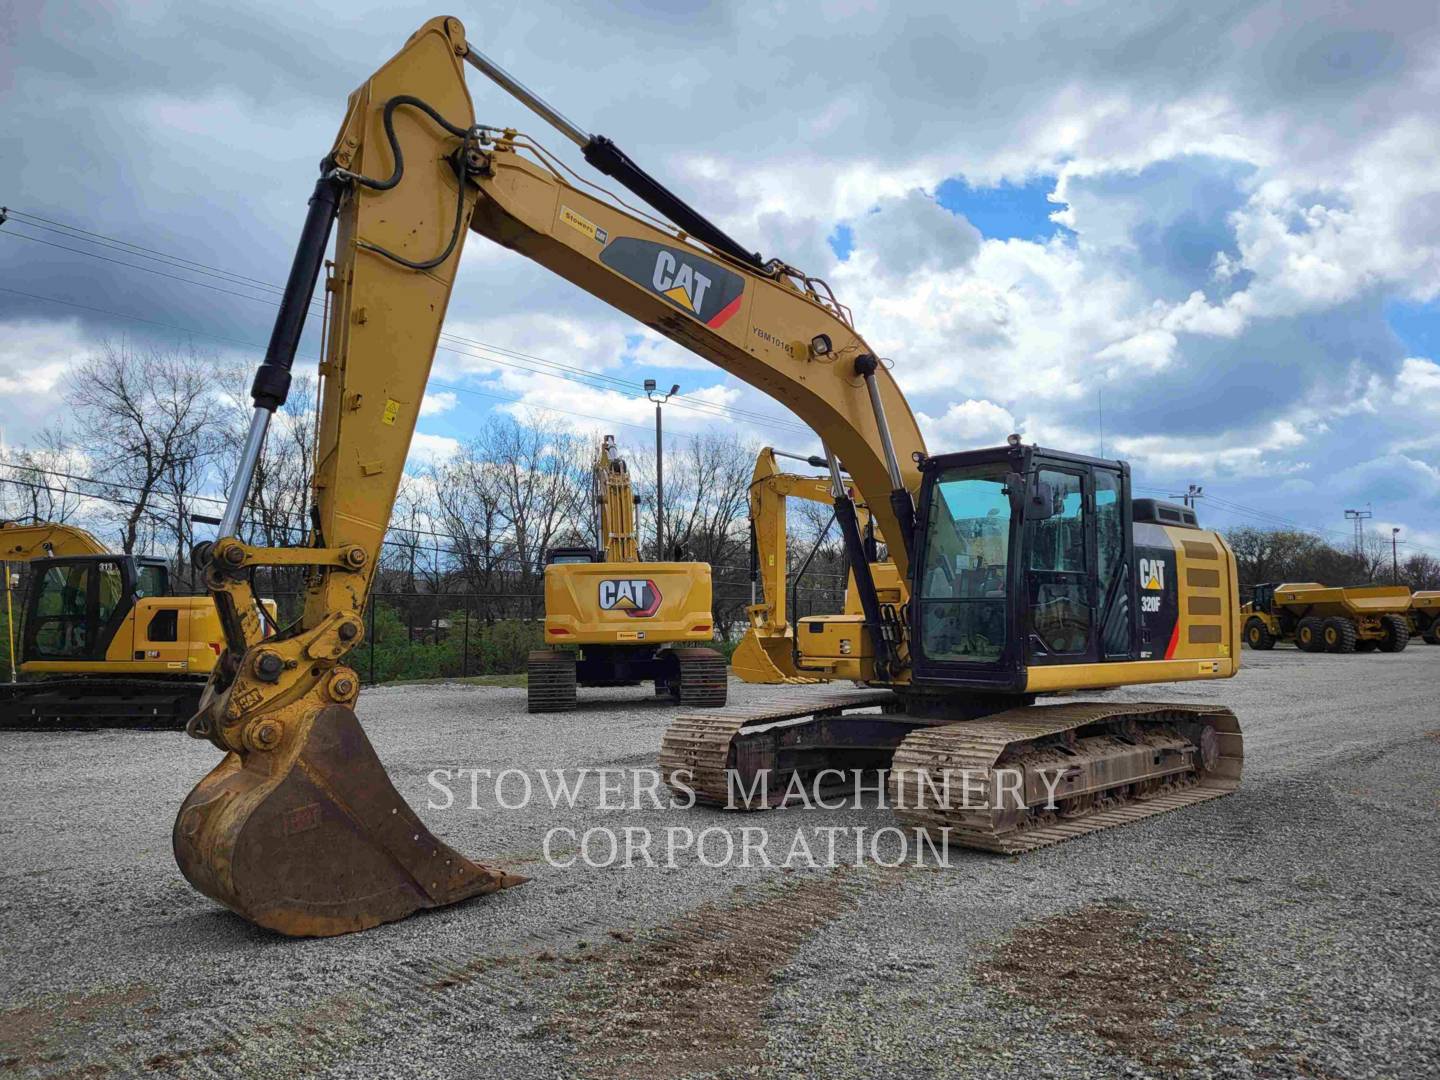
(1023, 571)
(620, 614)
(104, 643)
(767, 651)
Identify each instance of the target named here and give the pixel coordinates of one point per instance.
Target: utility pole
(1395, 555)
(659, 399)
(1190, 495)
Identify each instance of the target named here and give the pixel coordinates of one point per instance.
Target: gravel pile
(1289, 929)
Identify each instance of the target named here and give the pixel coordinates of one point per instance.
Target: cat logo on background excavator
(637, 597)
(700, 288)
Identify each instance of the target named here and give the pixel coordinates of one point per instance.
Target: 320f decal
(696, 286)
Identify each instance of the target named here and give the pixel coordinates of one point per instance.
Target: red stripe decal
(723, 316)
(1174, 638)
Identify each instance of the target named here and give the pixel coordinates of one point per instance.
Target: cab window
(153, 581)
(62, 628)
(964, 579)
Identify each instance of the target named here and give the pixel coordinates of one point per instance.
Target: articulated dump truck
(1320, 618)
(1425, 616)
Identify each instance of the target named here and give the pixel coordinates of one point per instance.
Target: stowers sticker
(696, 286)
(637, 597)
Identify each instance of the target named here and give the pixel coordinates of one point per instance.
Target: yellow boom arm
(298, 828)
(21, 543)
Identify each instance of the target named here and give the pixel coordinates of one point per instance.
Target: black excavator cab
(1024, 556)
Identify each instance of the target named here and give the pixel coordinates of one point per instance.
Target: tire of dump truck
(1396, 633)
(1307, 634)
(1432, 636)
(1339, 634)
(1258, 636)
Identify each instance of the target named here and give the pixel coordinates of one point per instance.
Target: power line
(568, 372)
(1266, 517)
(252, 346)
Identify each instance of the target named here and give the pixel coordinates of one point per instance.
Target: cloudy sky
(1216, 224)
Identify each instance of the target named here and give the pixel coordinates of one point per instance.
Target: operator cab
(75, 604)
(1024, 556)
(1262, 597)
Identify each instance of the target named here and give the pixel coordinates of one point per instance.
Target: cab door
(1060, 569)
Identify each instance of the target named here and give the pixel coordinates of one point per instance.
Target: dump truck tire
(550, 686)
(1339, 635)
(1307, 634)
(1397, 633)
(1258, 636)
(1432, 636)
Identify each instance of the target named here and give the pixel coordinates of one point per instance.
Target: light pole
(659, 399)
(1359, 517)
(1395, 555)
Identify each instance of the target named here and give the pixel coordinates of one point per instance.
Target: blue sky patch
(1007, 211)
(1416, 325)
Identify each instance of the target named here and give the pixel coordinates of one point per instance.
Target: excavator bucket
(757, 660)
(311, 839)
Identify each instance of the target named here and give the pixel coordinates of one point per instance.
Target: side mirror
(1041, 503)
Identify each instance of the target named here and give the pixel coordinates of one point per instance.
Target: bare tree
(147, 420)
(36, 483)
(1421, 572)
(707, 499)
(542, 480)
(468, 498)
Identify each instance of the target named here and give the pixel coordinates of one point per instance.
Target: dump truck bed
(1324, 600)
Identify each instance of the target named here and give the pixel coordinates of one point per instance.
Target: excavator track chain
(702, 682)
(90, 703)
(704, 747)
(318, 841)
(550, 682)
(1118, 763)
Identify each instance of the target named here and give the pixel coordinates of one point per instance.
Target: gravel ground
(1289, 929)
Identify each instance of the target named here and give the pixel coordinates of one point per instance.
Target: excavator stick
(317, 841)
(299, 828)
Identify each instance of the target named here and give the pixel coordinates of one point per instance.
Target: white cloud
(437, 402)
(966, 425)
(430, 449)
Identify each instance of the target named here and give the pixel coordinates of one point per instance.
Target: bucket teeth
(316, 841)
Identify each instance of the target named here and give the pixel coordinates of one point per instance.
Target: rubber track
(701, 742)
(975, 747)
(703, 680)
(550, 681)
(144, 704)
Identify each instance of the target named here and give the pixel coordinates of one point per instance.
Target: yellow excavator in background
(1022, 571)
(621, 613)
(767, 651)
(104, 642)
